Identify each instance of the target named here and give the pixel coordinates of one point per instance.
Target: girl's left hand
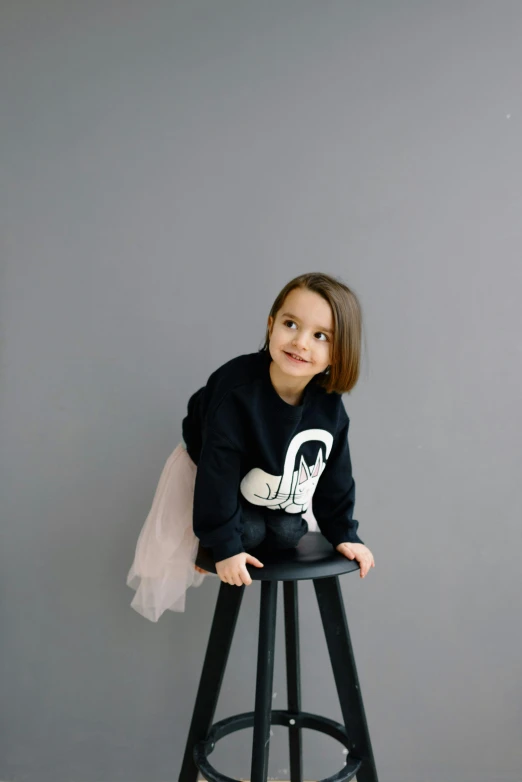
(360, 552)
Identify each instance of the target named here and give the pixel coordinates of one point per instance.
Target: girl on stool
(263, 440)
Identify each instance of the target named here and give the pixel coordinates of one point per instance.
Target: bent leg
(285, 530)
(254, 528)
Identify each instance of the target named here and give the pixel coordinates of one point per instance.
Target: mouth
(295, 358)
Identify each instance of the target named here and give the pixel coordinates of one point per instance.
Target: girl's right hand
(233, 570)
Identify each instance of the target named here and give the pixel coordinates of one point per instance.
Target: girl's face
(301, 334)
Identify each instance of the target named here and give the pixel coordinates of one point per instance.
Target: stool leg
(335, 626)
(264, 682)
(220, 640)
(293, 676)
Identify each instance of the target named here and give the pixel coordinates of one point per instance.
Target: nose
(301, 341)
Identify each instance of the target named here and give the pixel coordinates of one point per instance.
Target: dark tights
(275, 529)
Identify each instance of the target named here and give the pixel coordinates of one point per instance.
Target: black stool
(313, 559)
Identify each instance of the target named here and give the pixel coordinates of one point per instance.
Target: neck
(289, 388)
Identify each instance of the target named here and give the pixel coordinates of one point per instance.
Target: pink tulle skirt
(163, 567)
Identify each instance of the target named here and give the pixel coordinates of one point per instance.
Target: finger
(245, 575)
(366, 566)
(253, 561)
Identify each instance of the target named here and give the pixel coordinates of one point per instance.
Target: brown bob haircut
(347, 317)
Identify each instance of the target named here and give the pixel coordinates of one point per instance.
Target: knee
(254, 533)
(285, 541)
(286, 535)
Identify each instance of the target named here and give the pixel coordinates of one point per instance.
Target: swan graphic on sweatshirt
(293, 490)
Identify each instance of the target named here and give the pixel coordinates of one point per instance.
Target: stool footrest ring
(285, 718)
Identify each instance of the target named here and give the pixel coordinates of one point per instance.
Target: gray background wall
(166, 167)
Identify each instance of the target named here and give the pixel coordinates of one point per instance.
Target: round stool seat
(314, 557)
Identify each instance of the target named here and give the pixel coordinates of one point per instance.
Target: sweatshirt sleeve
(217, 512)
(334, 497)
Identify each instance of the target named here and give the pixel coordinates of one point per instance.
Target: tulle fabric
(163, 566)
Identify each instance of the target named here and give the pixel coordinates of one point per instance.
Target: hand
(360, 552)
(233, 569)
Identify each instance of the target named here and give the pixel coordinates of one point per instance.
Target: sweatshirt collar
(285, 408)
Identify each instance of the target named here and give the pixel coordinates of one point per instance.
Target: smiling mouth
(297, 358)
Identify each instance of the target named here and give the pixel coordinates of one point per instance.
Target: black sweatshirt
(251, 446)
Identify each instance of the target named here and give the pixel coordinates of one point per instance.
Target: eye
(326, 339)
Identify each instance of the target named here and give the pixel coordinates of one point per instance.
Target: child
(265, 437)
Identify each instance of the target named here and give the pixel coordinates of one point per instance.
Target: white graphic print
(293, 490)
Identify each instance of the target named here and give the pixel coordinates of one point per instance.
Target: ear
(304, 472)
(270, 324)
(318, 465)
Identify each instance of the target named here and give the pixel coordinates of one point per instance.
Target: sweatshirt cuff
(227, 548)
(347, 535)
